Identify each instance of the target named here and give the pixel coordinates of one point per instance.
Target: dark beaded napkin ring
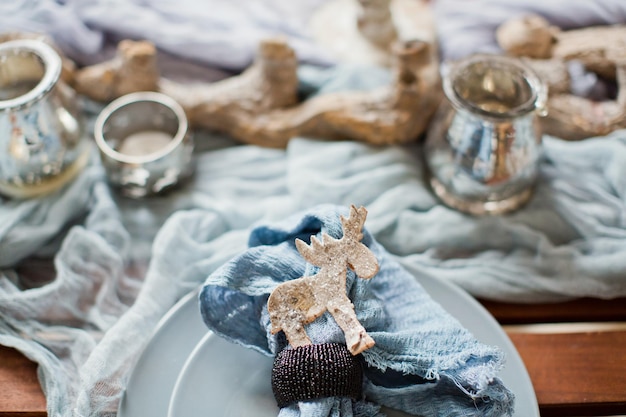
(316, 371)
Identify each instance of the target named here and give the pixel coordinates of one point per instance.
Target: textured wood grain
(576, 374)
(585, 310)
(20, 392)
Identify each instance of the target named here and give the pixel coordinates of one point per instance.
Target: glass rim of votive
(516, 66)
(133, 98)
(51, 69)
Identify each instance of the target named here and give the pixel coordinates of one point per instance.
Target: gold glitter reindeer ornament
(295, 303)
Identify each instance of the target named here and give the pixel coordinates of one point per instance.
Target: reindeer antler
(353, 225)
(316, 253)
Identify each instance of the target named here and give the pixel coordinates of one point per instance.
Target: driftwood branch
(572, 117)
(601, 50)
(395, 114)
(132, 69)
(261, 106)
(364, 31)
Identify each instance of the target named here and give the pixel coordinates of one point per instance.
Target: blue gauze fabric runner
(82, 271)
(414, 335)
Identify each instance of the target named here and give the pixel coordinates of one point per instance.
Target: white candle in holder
(144, 143)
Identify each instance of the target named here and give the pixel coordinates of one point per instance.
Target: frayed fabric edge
(494, 362)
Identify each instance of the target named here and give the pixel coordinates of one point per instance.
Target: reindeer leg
(292, 324)
(296, 334)
(357, 338)
(290, 307)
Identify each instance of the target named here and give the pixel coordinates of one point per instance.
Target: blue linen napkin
(424, 362)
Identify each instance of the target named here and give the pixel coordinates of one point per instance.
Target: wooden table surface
(575, 353)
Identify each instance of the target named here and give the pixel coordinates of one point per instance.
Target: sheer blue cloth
(83, 271)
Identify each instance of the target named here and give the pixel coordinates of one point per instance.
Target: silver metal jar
(484, 145)
(42, 145)
(145, 144)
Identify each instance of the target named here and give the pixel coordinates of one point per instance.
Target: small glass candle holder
(484, 146)
(145, 143)
(41, 128)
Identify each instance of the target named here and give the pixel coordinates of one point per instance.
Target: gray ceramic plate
(152, 380)
(219, 378)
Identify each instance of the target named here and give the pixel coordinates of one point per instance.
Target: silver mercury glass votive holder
(483, 147)
(42, 145)
(145, 144)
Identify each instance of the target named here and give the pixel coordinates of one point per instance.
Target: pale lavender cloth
(223, 34)
(468, 26)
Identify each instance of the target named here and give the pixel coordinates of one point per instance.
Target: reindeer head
(348, 250)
